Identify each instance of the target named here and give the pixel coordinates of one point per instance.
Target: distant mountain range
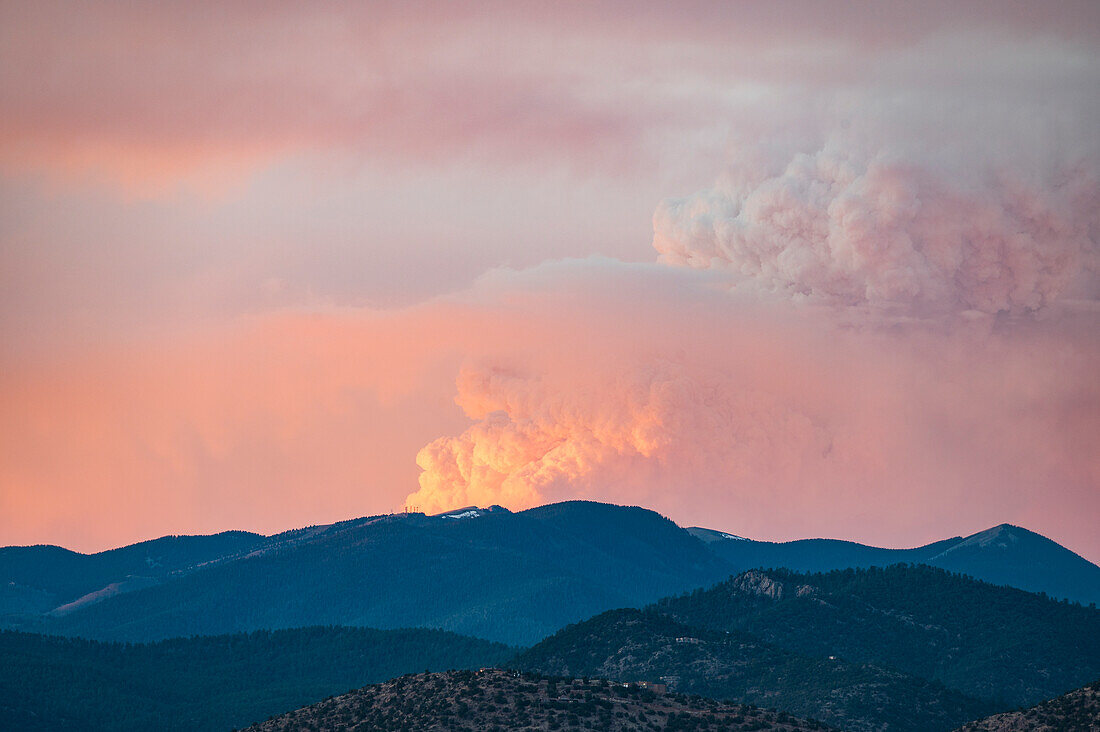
(1003, 555)
(511, 577)
(48, 579)
(490, 573)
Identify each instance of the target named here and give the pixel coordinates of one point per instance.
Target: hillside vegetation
(901, 648)
(628, 645)
(209, 683)
(988, 642)
(496, 701)
(1079, 711)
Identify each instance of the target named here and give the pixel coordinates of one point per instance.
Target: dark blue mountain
(491, 573)
(513, 577)
(1003, 555)
(41, 579)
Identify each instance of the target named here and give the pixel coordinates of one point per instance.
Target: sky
(787, 269)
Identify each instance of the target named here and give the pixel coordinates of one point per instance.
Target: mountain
(989, 642)
(510, 577)
(1003, 555)
(40, 579)
(212, 682)
(811, 555)
(1077, 710)
(901, 647)
(1014, 556)
(626, 645)
(494, 701)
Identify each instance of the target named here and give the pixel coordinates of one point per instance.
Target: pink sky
(791, 270)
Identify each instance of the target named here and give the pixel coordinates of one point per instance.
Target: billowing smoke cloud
(755, 415)
(534, 441)
(841, 227)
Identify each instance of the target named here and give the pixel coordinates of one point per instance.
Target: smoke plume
(844, 228)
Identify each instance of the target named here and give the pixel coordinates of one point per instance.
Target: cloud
(844, 227)
(202, 97)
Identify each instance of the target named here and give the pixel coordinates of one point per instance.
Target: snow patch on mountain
(471, 513)
(709, 535)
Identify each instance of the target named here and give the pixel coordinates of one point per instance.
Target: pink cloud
(203, 96)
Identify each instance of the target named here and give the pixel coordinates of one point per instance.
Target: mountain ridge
(1004, 554)
(473, 571)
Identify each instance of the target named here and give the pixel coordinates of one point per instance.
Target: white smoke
(841, 227)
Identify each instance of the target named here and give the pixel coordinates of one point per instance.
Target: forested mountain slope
(630, 645)
(209, 683)
(989, 642)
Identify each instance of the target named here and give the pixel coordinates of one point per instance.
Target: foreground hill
(989, 642)
(1078, 710)
(510, 577)
(626, 645)
(495, 701)
(209, 683)
(1002, 555)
